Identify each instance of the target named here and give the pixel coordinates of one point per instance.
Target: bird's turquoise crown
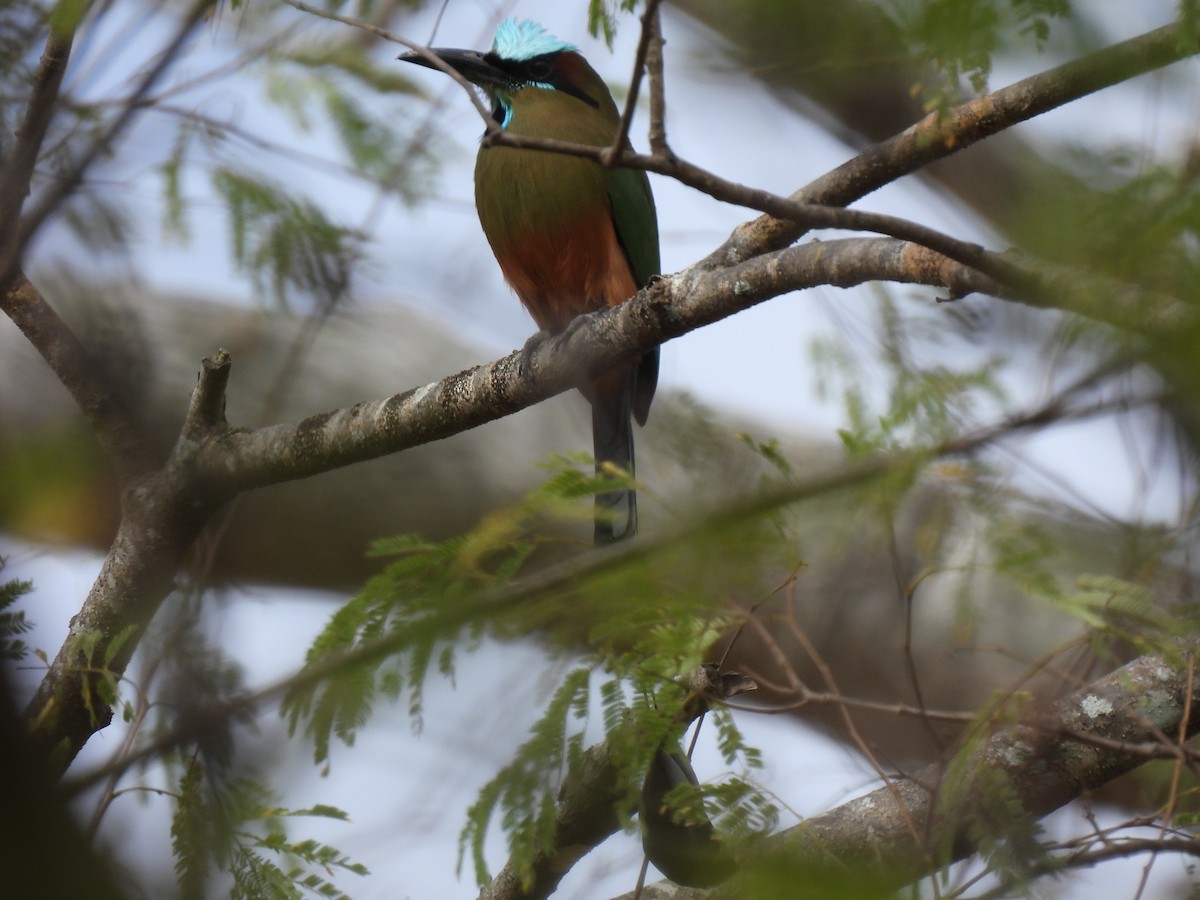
(525, 39)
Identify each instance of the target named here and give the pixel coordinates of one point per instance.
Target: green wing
(636, 220)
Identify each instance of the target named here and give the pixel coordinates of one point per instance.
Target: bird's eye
(541, 69)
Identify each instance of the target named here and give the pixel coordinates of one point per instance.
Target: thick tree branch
(163, 511)
(242, 459)
(529, 590)
(1044, 769)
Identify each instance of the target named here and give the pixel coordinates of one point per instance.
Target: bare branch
(658, 96)
(649, 20)
(243, 459)
(206, 412)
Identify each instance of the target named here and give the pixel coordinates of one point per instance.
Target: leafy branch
(431, 598)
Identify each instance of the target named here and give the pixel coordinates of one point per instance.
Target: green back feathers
(636, 219)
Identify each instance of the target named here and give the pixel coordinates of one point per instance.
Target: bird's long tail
(612, 442)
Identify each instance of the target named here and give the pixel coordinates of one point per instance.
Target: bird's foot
(525, 364)
(573, 326)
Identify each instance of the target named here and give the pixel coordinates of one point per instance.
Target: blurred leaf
(101, 223)
(12, 621)
(352, 60)
(174, 217)
(961, 37)
(602, 17)
(210, 833)
(191, 834)
(286, 241)
(523, 792)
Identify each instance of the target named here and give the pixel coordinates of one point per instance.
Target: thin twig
(946, 132)
(855, 735)
(621, 139)
(18, 167)
(907, 596)
(428, 55)
(658, 96)
(49, 202)
(142, 709)
(810, 697)
(1182, 759)
(1056, 865)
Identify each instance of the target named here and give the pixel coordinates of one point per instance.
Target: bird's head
(524, 57)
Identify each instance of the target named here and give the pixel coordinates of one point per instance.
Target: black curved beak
(470, 64)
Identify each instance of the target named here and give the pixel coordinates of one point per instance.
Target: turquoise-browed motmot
(570, 235)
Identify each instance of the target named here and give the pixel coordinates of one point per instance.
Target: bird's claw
(525, 363)
(573, 326)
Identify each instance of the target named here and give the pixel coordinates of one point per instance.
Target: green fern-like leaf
(372, 146)
(175, 222)
(428, 594)
(191, 833)
(741, 809)
(255, 877)
(1131, 613)
(523, 792)
(960, 37)
(602, 18)
(211, 831)
(646, 625)
(349, 59)
(356, 98)
(283, 241)
(13, 621)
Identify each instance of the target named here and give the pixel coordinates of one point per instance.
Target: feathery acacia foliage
(919, 435)
(641, 631)
(960, 37)
(231, 826)
(12, 621)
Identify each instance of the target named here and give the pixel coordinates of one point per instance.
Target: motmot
(570, 235)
